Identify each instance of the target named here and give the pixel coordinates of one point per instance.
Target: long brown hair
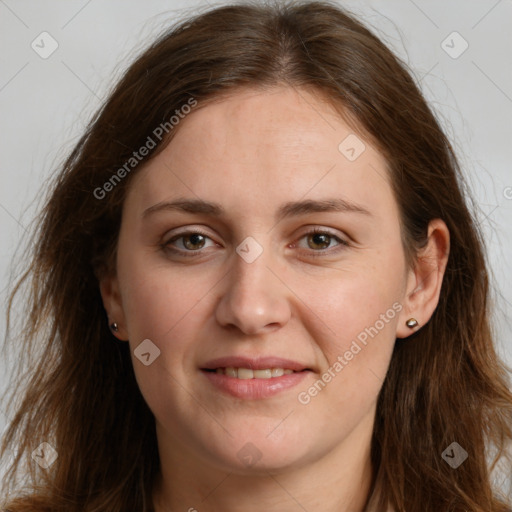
(79, 394)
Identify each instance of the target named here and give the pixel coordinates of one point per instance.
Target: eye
(320, 240)
(190, 241)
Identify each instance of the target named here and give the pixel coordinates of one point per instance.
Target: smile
(253, 384)
(248, 373)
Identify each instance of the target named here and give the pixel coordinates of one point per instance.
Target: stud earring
(114, 327)
(412, 323)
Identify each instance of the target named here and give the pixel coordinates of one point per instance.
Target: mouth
(254, 378)
(249, 384)
(249, 373)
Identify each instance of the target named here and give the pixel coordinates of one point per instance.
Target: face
(272, 270)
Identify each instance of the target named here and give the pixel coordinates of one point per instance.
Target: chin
(254, 454)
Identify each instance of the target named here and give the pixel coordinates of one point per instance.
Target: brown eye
(189, 242)
(193, 241)
(319, 240)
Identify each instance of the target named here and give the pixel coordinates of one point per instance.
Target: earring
(412, 323)
(114, 327)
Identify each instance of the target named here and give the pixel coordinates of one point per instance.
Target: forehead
(277, 124)
(260, 146)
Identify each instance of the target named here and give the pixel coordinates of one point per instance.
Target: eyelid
(188, 231)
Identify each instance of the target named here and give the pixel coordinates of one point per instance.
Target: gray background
(46, 103)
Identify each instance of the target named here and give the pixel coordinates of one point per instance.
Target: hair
(444, 384)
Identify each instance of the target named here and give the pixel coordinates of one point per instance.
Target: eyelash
(315, 253)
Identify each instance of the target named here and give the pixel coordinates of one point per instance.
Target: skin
(251, 152)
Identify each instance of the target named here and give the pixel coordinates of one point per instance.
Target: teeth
(262, 374)
(247, 373)
(231, 372)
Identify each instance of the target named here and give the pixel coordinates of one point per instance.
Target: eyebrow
(290, 209)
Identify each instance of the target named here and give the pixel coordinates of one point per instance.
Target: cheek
(169, 307)
(357, 313)
(355, 358)
(360, 312)
(156, 300)
(165, 307)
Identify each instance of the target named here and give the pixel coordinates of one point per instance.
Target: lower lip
(254, 389)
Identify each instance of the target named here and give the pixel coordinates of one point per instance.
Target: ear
(109, 289)
(424, 281)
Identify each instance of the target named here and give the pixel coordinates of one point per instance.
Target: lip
(254, 389)
(257, 363)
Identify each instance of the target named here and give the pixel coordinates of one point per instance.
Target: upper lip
(256, 363)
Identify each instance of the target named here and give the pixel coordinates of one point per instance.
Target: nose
(253, 300)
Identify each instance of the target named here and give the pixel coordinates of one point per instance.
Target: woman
(257, 286)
